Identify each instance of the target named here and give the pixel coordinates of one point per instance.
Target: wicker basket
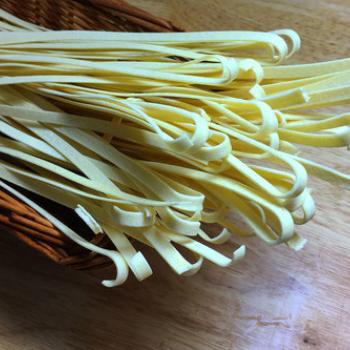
(23, 221)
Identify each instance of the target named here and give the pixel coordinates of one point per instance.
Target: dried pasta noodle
(148, 136)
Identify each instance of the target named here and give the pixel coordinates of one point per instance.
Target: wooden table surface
(275, 299)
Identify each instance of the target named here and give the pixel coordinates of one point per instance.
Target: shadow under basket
(18, 218)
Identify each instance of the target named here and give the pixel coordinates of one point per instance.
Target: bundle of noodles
(150, 137)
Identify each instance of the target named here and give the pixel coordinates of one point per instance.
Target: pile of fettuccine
(155, 137)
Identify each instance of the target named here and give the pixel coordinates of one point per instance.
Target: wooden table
(275, 299)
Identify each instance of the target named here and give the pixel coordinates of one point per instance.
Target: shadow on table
(43, 306)
(46, 306)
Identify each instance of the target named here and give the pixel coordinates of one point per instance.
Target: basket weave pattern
(21, 220)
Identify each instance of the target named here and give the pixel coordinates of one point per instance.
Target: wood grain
(275, 299)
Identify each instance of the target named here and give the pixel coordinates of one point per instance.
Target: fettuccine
(154, 137)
